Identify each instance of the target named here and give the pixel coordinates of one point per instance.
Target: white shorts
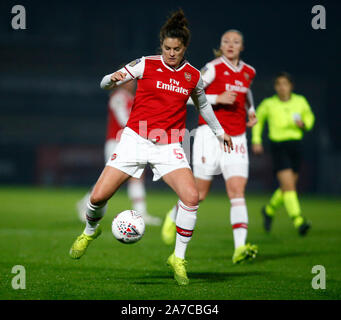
(134, 152)
(109, 148)
(209, 158)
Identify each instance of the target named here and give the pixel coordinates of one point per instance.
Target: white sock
(174, 213)
(137, 194)
(239, 221)
(185, 223)
(93, 215)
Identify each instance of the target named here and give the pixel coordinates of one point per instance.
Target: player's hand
(257, 149)
(300, 124)
(226, 141)
(118, 76)
(227, 97)
(252, 120)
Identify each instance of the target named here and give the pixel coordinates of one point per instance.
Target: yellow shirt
(280, 116)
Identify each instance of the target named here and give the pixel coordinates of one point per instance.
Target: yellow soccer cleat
(244, 253)
(81, 244)
(178, 265)
(168, 230)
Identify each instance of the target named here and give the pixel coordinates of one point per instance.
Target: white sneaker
(151, 220)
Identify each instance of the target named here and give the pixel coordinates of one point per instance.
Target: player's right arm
(133, 70)
(208, 76)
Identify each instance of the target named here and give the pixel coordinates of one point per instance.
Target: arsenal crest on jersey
(188, 76)
(246, 75)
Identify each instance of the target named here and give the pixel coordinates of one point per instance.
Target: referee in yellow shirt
(288, 116)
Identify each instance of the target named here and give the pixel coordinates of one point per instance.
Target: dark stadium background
(53, 113)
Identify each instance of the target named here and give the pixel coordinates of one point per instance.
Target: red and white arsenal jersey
(119, 108)
(161, 96)
(220, 75)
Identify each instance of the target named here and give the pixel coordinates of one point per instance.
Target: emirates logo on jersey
(188, 76)
(173, 85)
(238, 87)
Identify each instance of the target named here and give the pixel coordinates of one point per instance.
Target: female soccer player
(227, 80)
(288, 116)
(155, 126)
(119, 107)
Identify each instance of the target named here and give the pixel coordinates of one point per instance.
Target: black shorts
(286, 155)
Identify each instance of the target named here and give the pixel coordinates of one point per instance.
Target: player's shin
(239, 221)
(292, 205)
(275, 202)
(185, 223)
(93, 215)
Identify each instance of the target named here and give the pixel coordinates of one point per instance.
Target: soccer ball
(128, 226)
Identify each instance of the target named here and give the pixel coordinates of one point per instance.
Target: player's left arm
(206, 111)
(251, 111)
(307, 115)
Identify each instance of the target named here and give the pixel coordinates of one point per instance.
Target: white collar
(231, 66)
(182, 65)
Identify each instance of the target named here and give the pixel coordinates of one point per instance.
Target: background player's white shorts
(109, 148)
(134, 152)
(209, 159)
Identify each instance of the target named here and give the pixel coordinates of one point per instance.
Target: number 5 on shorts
(178, 154)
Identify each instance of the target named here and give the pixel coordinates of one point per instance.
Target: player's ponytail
(176, 27)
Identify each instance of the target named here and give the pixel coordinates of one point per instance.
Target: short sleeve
(136, 68)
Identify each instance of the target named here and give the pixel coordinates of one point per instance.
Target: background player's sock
(82, 206)
(137, 195)
(239, 221)
(93, 215)
(292, 206)
(185, 223)
(173, 213)
(275, 202)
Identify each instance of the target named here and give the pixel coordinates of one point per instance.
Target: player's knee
(235, 187)
(191, 197)
(287, 185)
(235, 192)
(97, 199)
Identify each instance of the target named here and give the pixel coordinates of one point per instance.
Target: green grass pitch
(38, 226)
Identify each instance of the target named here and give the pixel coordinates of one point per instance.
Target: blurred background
(53, 112)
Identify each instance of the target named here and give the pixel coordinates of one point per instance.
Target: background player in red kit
(154, 129)
(227, 81)
(119, 108)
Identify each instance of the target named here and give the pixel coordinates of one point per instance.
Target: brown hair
(176, 27)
